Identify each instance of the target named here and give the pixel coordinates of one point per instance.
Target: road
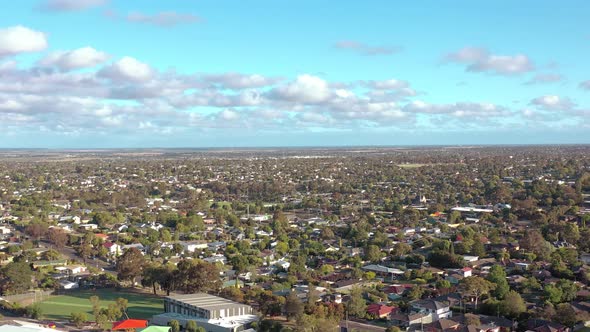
(70, 254)
(361, 326)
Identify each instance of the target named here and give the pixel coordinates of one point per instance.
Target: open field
(411, 165)
(140, 305)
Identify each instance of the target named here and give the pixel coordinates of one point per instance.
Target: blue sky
(198, 73)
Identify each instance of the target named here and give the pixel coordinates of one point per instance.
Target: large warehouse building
(214, 313)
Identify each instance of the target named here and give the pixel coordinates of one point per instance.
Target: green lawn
(140, 305)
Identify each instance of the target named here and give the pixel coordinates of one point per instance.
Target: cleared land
(140, 305)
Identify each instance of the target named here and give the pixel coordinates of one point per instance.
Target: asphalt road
(361, 326)
(70, 254)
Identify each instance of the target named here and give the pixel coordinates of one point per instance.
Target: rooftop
(204, 301)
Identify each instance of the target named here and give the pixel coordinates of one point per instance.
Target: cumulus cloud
(553, 103)
(481, 60)
(71, 5)
(128, 69)
(305, 89)
(545, 78)
(163, 19)
(84, 57)
(20, 39)
(364, 49)
(585, 85)
(239, 81)
(391, 89)
(228, 115)
(461, 109)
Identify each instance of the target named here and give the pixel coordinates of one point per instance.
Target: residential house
(113, 248)
(406, 321)
(379, 310)
(435, 309)
(191, 246)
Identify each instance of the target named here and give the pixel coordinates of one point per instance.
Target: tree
(84, 250)
(357, 306)
(130, 265)
(51, 255)
(57, 237)
(191, 326)
(34, 311)
(415, 292)
(566, 315)
(293, 306)
(497, 276)
(569, 290)
(15, 277)
(552, 293)
(95, 301)
(475, 287)
(197, 276)
(122, 304)
(174, 326)
(78, 318)
(534, 242)
(401, 249)
(512, 305)
(36, 230)
(373, 253)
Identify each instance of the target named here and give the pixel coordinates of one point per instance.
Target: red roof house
(380, 310)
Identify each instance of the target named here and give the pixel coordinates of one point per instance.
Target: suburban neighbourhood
(301, 240)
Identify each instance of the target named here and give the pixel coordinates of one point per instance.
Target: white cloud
(71, 5)
(128, 69)
(481, 60)
(305, 89)
(553, 103)
(365, 49)
(80, 58)
(228, 115)
(585, 85)
(545, 78)
(163, 19)
(20, 39)
(391, 84)
(460, 109)
(239, 81)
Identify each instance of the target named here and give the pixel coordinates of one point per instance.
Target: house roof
(108, 245)
(129, 324)
(444, 324)
(430, 304)
(379, 309)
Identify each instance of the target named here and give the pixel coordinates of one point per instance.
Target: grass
(141, 305)
(411, 165)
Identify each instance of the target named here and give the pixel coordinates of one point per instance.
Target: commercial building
(214, 313)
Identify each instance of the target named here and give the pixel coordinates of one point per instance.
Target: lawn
(140, 305)
(411, 165)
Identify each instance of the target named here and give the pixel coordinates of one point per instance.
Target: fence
(29, 297)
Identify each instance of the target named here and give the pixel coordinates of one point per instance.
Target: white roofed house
(434, 310)
(137, 246)
(383, 271)
(191, 246)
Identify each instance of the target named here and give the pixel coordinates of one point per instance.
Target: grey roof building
(206, 306)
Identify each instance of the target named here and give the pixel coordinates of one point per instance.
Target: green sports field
(140, 305)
